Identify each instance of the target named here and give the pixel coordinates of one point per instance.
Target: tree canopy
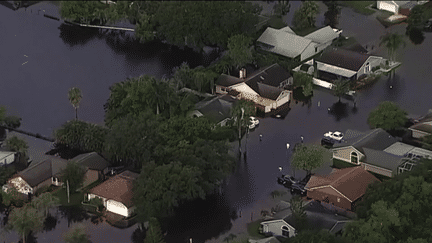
(75, 174)
(305, 81)
(75, 97)
(387, 116)
(392, 42)
(281, 8)
(25, 220)
(154, 232)
(305, 16)
(239, 50)
(309, 157)
(77, 234)
(340, 87)
(44, 201)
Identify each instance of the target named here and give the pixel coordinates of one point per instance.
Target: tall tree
(75, 97)
(305, 16)
(299, 212)
(25, 220)
(19, 145)
(72, 133)
(154, 232)
(332, 14)
(281, 8)
(241, 114)
(77, 234)
(340, 87)
(388, 116)
(392, 42)
(45, 201)
(239, 50)
(305, 81)
(74, 174)
(309, 157)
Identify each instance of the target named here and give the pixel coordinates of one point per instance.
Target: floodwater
(58, 57)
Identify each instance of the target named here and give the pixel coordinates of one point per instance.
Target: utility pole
(67, 183)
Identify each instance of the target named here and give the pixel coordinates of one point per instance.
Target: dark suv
(298, 189)
(286, 180)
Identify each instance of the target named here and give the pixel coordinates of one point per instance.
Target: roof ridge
(367, 135)
(349, 172)
(260, 72)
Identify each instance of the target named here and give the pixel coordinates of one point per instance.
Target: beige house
(423, 126)
(36, 176)
(96, 166)
(116, 193)
(265, 87)
(7, 157)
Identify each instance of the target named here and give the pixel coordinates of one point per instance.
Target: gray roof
(382, 159)
(227, 80)
(323, 35)
(343, 58)
(272, 75)
(319, 218)
(264, 90)
(92, 161)
(42, 171)
(377, 139)
(216, 109)
(356, 47)
(284, 43)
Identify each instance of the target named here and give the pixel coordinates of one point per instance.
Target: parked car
(253, 122)
(287, 180)
(334, 135)
(298, 189)
(327, 141)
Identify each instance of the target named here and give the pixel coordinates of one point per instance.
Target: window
(316, 49)
(338, 199)
(354, 157)
(285, 231)
(367, 68)
(223, 89)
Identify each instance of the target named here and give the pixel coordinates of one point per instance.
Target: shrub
(97, 202)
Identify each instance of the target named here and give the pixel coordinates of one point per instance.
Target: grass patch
(360, 7)
(340, 164)
(75, 198)
(253, 229)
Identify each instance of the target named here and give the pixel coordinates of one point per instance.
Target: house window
(367, 68)
(316, 49)
(354, 157)
(338, 199)
(285, 231)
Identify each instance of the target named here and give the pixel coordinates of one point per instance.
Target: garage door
(117, 207)
(387, 6)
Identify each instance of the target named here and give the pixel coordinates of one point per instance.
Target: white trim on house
(353, 148)
(330, 186)
(7, 157)
(335, 70)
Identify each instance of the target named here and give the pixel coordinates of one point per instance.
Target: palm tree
(16, 144)
(340, 87)
(392, 42)
(75, 97)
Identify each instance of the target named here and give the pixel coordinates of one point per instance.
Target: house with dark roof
(423, 126)
(96, 166)
(41, 174)
(286, 43)
(342, 188)
(348, 64)
(216, 109)
(378, 152)
(318, 218)
(264, 87)
(116, 193)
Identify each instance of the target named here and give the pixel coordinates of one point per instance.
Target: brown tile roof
(92, 161)
(351, 182)
(118, 188)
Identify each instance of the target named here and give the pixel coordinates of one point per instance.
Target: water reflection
(73, 35)
(339, 110)
(138, 235)
(415, 35)
(50, 223)
(73, 214)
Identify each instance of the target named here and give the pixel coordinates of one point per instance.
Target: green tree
(19, 145)
(12, 121)
(154, 232)
(74, 173)
(392, 42)
(161, 188)
(298, 212)
(305, 81)
(309, 157)
(241, 114)
(2, 114)
(5, 174)
(427, 142)
(281, 8)
(239, 50)
(387, 116)
(416, 17)
(77, 234)
(72, 133)
(305, 16)
(340, 87)
(75, 97)
(25, 220)
(313, 236)
(45, 201)
(94, 138)
(11, 197)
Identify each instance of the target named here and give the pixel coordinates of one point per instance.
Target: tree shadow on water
(415, 35)
(339, 110)
(76, 35)
(50, 223)
(73, 214)
(138, 235)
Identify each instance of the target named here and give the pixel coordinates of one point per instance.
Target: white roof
(4, 154)
(336, 70)
(284, 43)
(287, 29)
(400, 149)
(323, 35)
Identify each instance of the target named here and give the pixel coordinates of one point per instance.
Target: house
(7, 157)
(217, 109)
(3, 135)
(265, 87)
(339, 62)
(96, 166)
(116, 193)
(398, 7)
(36, 176)
(342, 188)
(318, 218)
(286, 43)
(377, 152)
(423, 126)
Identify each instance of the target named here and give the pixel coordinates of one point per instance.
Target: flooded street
(42, 59)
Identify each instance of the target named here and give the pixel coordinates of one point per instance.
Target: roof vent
(261, 77)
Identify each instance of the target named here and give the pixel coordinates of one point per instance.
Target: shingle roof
(347, 59)
(356, 47)
(226, 80)
(283, 42)
(272, 75)
(351, 182)
(318, 217)
(264, 90)
(92, 161)
(382, 159)
(42, 171)
(425, 125)
(216, 109)
(377, 139)
(322, 35)
(118, 188)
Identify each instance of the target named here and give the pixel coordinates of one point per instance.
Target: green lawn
(75, 198)
(359, 6)
(252, 229)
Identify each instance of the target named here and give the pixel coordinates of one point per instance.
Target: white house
(116, 193)
(7, 157)
(286, 43)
